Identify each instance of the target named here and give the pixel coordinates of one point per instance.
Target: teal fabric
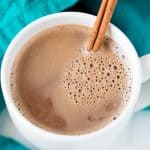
(131, 16)
(10, 144)
(1, 101)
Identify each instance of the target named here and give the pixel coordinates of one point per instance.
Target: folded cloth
(10, 144)
(131, 16)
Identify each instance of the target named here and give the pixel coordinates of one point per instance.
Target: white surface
(135, 137)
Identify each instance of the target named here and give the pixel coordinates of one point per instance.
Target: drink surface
(60, 87)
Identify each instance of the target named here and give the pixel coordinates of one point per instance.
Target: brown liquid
(60, 87)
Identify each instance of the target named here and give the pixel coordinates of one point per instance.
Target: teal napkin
(131, 16)
(10, 144)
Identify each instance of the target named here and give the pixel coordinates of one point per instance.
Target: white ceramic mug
(99, 139)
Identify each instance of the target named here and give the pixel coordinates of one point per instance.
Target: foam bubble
(95, 74)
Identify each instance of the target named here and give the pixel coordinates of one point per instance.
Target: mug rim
(9, 100)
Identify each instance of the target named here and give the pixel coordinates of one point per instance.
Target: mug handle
(144, 98)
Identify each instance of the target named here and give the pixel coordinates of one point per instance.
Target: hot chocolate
(61, 87)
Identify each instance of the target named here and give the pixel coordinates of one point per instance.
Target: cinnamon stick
(97, 25)
(101, 24)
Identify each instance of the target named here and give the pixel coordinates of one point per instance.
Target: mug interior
(58, 19)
